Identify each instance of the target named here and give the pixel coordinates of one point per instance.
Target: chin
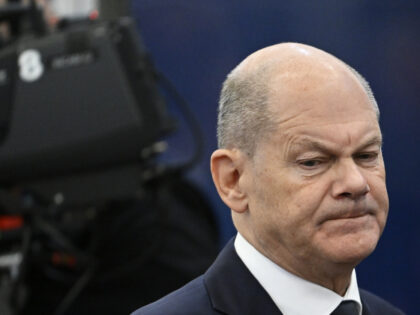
(352, 250)
(352, 258)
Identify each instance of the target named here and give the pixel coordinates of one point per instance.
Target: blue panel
(196, 43)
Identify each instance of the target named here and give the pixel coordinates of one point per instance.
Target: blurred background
(193, 45)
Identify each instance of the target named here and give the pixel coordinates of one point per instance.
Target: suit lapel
(365, 310)
(365, 307)
(233, 289)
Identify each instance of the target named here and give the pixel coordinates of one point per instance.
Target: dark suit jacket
(229, 288)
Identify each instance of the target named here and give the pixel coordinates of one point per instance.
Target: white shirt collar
(287, 289)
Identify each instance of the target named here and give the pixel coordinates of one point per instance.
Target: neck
(333, 276)
(336, 280)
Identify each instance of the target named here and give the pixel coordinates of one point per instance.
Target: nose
(350, 182)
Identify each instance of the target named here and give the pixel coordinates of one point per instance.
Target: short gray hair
(243, 112)
(365, 84)
(244, 116)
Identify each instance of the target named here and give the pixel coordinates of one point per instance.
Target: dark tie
(346, 308)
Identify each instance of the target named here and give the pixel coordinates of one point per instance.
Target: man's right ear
(227, 169)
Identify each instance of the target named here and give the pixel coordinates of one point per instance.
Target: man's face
(316, 186)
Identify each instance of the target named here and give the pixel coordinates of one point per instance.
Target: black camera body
(87, 216)
(79, 102)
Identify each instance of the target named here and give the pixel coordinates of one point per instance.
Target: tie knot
(346, 308)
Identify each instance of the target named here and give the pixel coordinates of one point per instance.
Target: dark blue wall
(197, 42)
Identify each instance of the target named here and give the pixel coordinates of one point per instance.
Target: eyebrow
(318, 146)
(376, 140)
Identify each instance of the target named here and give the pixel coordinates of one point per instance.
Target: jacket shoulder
(377, 306)
(188, 300)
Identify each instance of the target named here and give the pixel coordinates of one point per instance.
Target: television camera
(81, 117)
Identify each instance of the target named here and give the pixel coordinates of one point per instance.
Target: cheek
(306, 197)
(301, 208)
(270, 201)
(377, 184)
(284, 200)
(380, 195)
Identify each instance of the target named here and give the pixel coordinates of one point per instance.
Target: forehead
(318, 92)
(322, 102)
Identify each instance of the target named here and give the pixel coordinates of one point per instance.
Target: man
(300, 166)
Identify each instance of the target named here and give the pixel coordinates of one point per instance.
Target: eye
(310, 164)
(367, 157)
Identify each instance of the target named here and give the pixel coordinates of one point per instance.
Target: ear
(227, 167)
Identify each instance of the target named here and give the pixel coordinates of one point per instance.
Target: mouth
(349, 214)
(352, 215)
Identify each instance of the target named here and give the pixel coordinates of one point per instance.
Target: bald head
(278, 74)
